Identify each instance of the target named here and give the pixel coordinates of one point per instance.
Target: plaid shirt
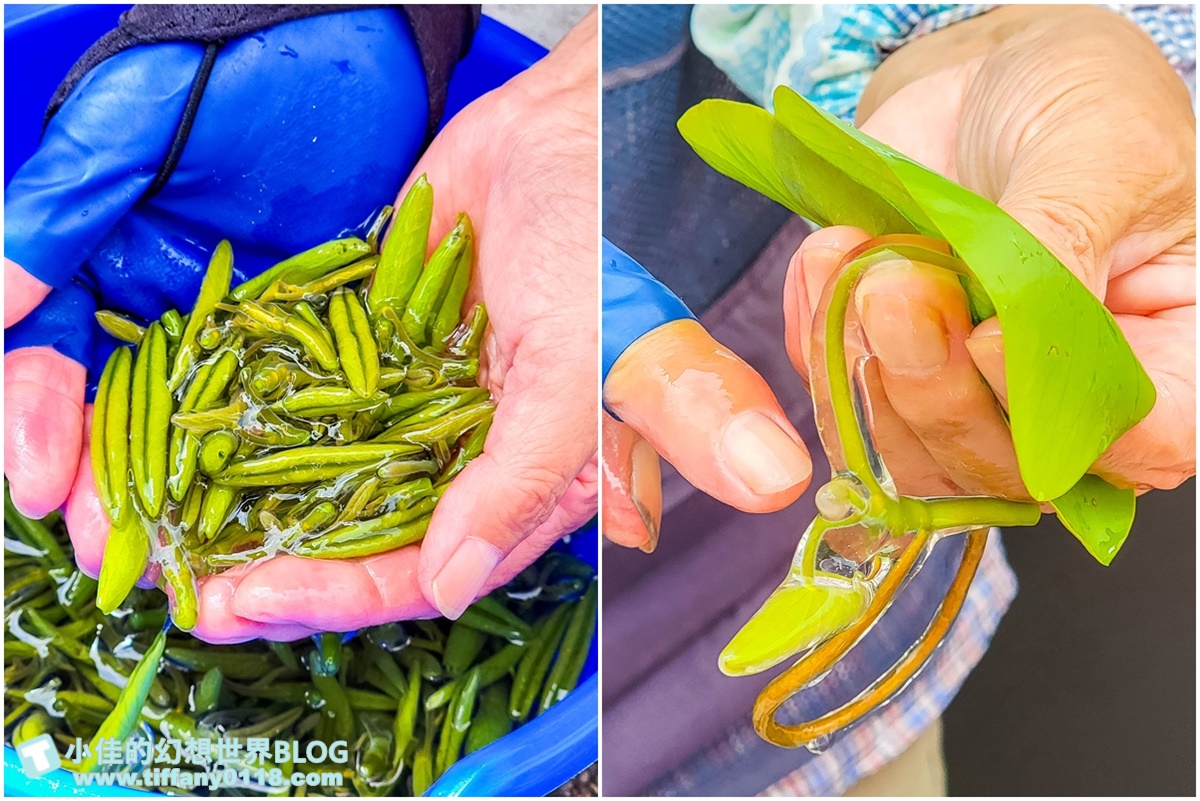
(828, 54)
(890, 730)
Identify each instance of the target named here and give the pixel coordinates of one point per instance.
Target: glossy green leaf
(1098, 514)
(794, 618)
(1074, 385)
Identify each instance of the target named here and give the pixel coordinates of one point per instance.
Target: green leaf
(1074, 385)
(1098, 514)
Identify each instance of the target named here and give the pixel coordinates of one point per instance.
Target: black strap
(444, 34)
(184, 130)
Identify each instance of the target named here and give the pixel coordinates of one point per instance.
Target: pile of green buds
(319, 409)
(408, 699)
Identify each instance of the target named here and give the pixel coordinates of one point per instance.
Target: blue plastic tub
(536, 758)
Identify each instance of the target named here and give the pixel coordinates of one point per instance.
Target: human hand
(521, 161)
(682, 394)
(1070, 120)
(76, 216)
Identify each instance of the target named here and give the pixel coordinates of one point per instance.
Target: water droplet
(818, 745)
(85, 213)
(284, 50)
(391, 637)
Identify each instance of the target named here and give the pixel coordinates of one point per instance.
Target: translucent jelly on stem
(800, 614)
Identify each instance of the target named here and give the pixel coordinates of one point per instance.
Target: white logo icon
(39, 756)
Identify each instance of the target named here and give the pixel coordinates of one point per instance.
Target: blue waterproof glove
(679, 393)
(305, 130)
(634, 303)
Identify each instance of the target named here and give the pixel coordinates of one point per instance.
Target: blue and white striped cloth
(828, 52)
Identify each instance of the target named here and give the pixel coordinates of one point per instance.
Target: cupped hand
(522, 161)
(519, 184)
(81, 231)
(1074, 124)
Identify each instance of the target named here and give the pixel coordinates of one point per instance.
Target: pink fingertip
(87, 522)
(841, 238)
(43, 398)
(149, 579)
(461, 580)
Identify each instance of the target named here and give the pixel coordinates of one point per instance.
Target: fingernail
(463, 576)
(765, 458)
(645, 490)
(909, 337)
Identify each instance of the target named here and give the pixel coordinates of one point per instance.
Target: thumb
(711, 415)
(43, 427)
(542, 437)
(45, 380)
(22, 292)
(87, 521)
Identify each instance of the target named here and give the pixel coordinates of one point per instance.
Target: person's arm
(98, 154)
(95, 160)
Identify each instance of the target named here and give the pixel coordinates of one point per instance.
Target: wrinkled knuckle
(1077, 233)
(1074, 235)
(535, 491)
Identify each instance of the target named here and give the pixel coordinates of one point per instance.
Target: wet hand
(77, 219)
(530, 190)
(1072, 122)
(680, 393)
